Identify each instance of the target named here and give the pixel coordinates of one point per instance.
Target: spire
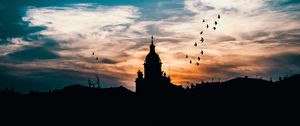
(152, 46)
(152, 39)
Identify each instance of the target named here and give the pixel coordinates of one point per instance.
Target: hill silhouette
(83, 91)
(236, 100)
(234, 88)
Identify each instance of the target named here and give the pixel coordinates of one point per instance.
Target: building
(154, 81)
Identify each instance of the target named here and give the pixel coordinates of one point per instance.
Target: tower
(152, 65)
(153, 82)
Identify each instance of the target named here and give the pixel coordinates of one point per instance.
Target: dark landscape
(150, 62)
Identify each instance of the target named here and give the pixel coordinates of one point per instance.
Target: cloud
(13, 45)
(31, 54)
(71, 33)
(278, 63)
(248, 30)
(250, 38)
(99, 21)
(83, 27)
(240, 28)
(197, 6)
(29, 78)
(108, 61)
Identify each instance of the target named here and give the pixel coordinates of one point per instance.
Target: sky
(46, 45)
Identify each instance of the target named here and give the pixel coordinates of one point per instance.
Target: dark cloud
(50, 43)
(43, 79)
(230, 10)
(226, 38)
(44, 41)
(226, 69)
(23, 79)
(139, 42)
(285, 5)
(111, 28)
(155, 29)
(35, 53)
(171, 40)
(108, 61)
(283, 62)
(180, 55)
(289, 58)
(203, 7)
(256, 34)
(266, 66)
(291, 36)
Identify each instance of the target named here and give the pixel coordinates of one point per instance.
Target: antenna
(98, 81)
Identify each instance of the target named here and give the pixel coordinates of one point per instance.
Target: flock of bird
(195, 44)
(202, 40)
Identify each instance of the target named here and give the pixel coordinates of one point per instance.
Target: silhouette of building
(155, 81)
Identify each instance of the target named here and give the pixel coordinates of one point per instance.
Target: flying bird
(202, 40)
(201, 32)
(214, 28)
(219, 16)
(202, 52)
(207, 26)
(203, 20)
(195, 44)
(216, 22)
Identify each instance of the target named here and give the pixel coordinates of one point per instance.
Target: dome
(152, 57)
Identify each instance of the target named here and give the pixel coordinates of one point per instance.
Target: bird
(202, 52)
(207, 26)
(195, 44)
(216, 22)
(214, 28)
(93, 53)
(198, 58)
(201, 32)
(190, 61)
(203, 20)
(202, 40)
(219, 16)
(197, 64)
(96, 58)
(186, 56)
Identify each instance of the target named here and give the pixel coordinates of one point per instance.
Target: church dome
(152, 57)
